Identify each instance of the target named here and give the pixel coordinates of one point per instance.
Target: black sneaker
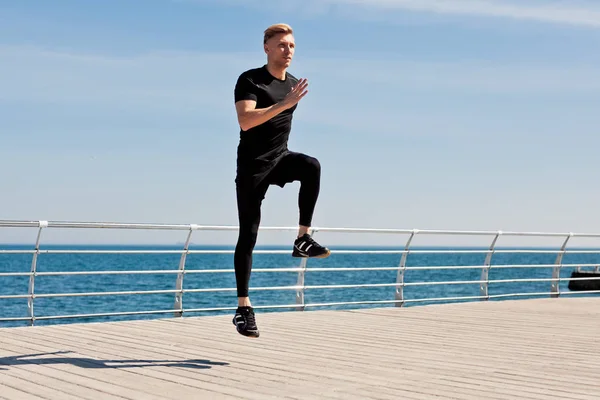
(245, 322)
(305, 246)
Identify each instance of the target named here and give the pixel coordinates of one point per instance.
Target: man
(265, 99)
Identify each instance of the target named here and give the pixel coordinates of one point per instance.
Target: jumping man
(265, 99)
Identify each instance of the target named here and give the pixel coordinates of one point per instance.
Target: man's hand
(296, 94)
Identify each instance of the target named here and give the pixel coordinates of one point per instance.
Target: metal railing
(399, 286)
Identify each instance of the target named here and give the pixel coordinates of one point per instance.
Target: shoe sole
(324, 255)
(249, 334)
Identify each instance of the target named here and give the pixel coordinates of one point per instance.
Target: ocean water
(18, 285)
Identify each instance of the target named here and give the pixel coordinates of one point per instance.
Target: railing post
(300, 283)
(401, 270)
(31, 291)
(555, 286)
(485, 272)
(179, 284)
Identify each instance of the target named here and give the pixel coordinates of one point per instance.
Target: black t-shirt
(261, 147)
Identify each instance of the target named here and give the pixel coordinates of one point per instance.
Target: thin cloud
(185, 82)
(167, 80)
(582, 13)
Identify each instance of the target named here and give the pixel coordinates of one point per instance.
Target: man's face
(280, 49)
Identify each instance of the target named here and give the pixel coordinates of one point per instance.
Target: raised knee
(313, 164)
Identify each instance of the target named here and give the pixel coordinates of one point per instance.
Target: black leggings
(292, 167)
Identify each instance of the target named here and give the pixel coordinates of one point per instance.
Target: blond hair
(276, 29)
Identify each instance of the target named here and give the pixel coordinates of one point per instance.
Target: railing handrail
(165, 226)
(403, 251)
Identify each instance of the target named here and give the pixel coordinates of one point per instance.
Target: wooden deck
(513, 349)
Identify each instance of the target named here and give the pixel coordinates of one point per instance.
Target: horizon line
(179, 245)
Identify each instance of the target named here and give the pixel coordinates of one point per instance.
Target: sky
(424, 114)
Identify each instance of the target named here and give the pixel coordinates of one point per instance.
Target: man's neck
(278, 73)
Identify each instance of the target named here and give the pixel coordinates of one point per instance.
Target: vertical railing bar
(31, 290)
(179, 283)
(401, 271)
(485, 272)
(300, 283)
(555, 284)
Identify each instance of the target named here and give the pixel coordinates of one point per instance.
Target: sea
(77, 305)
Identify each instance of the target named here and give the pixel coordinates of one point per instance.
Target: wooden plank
(218, 382)
(11, 393)
(526, 349)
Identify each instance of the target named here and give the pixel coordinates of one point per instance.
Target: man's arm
(249, 116)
